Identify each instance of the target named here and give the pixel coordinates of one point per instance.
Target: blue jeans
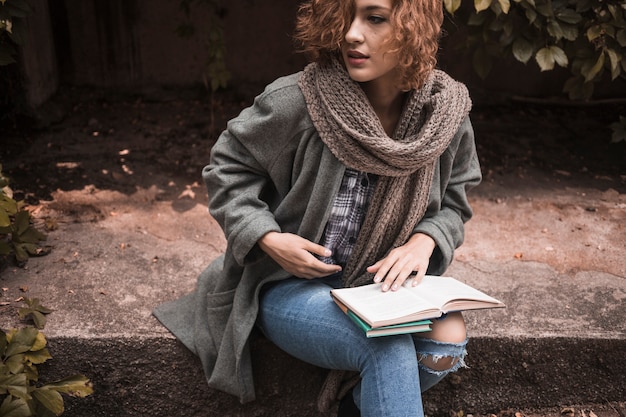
(300, 317)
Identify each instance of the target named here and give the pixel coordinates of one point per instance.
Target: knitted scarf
(348, 125)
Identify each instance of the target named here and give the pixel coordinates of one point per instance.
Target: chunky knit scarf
(348, 125)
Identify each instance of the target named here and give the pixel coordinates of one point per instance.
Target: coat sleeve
(457, 172)
(243, 177)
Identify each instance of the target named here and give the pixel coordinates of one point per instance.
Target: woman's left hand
(412, 257)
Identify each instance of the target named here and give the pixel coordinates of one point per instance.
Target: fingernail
(327, 252)
(394, 287)
(377, 279)
(385, 287)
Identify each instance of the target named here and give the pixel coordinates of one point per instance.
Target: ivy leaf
(481, 5)
(505, 5)
(452, 5)
(621, 37)
(522, 50)
(554, 29)
(38, 357)
(615, 58)
(22, 341)
(568, 16)
(35, 311)
(5, 220)
(15, 363)
(15, 385)
(590, 70)
(14, 407)
(76, 386)
(548, 56)
(50, 399)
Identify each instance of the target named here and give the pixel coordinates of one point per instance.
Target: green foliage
(17, 235)
(586, 36)
(21, 350)
(216, 74)
(12, 28)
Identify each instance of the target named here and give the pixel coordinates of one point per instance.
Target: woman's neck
(387, 103)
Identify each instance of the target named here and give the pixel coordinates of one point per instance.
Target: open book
(431, 298)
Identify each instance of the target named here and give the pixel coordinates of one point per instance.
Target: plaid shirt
(347, 215)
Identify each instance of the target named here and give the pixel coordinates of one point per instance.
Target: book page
(441, 290)
(377, 307)
(432, 296)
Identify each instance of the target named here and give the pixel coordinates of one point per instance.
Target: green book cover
(403, 328)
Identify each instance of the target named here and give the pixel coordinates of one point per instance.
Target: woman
(355, 170)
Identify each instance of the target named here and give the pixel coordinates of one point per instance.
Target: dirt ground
(552, 178)
(558, 159)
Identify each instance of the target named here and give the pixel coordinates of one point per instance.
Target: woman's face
(366, 47)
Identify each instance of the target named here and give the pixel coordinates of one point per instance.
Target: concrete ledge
(160, 377)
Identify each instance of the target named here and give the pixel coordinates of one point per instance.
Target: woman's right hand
(296, 255)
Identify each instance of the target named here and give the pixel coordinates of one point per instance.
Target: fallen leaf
(188, 193)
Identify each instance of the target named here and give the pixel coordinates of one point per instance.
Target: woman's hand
(411, 258)
(295, 255)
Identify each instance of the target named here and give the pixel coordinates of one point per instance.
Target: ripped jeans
(300, 317)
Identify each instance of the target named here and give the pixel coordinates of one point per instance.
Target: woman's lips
(356, 58)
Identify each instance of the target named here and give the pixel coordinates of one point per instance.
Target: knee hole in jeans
(438, 363)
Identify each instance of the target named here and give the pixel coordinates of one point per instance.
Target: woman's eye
(376, 19)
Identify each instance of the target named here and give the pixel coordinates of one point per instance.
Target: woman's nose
(355, 33)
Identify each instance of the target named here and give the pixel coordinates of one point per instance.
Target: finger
(419, 274)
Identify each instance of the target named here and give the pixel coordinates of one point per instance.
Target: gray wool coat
(270, 171)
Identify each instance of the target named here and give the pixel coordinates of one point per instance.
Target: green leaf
(31, 235)
(560, 56)
(568, 16)
(15, 363)
(14, 407)
(38, 319)
(545, 9)
(38, 357)
(554, 29)
(522, 50)
(621, 37)
(615, 58)
(570, 32)
(36, 312)
(481, 5)
(20, 253)
(5, 248)
(50, 399)
(594, 32)
(590, 70)
(545, 59)
(3, 343)
(452, 5)
(505, 5)
(22, 341)
(35, 304)
(76, 386)
(16, 385)
(531, 15)
(4, 218)
(548, 56)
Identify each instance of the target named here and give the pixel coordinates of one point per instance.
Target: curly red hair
(322, 24)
